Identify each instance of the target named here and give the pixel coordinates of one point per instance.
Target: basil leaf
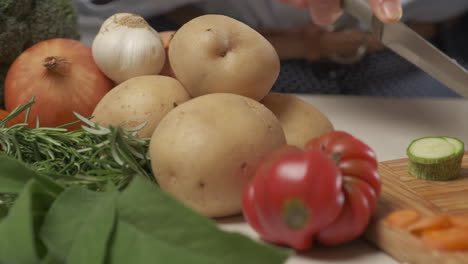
(154, 227)
(19, 241)
(3, 210)
(135, 246)
(49, 259)
(78, 226)
(14, 175)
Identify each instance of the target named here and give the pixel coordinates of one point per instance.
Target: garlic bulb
(126, 47)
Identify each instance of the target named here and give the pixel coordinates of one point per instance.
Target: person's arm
(145, 8)
(325, 12)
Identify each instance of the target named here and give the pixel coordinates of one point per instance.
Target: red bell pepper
(327, 192)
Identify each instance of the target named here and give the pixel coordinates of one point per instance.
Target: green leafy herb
(7, 200)
(14, 175)
(49, 259)
(19, 242)
(79, 224)
(142, 224)
(161, 228)
(3, 210)
(92, 156)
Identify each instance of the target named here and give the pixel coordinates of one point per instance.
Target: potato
(145, 98)
(300, 120)
(218, 54)
(205, 151)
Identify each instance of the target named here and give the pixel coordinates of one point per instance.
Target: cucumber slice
(458, 144)
(435, 158)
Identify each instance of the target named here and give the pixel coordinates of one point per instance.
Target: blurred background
(326, 61)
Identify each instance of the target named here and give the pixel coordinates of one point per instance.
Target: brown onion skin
(57, 96)
(4, 114)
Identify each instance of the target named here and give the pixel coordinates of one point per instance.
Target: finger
(303, 4)
(325, 12)
(387, 11)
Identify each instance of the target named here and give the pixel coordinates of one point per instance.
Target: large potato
(145, 98)
(300, 120)
(218, 54)
(205, 151)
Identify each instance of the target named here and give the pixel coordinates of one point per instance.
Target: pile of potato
(212, 119)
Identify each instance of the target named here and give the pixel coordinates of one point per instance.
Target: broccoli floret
(16, 8)
(24, 23)
(53, 19)
(13, 38)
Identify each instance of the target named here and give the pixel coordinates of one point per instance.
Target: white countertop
(387, 125)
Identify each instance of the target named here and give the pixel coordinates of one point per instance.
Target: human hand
(326, 12)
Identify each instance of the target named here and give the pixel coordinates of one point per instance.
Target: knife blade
(410, 45)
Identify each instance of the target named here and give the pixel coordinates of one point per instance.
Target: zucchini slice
(435, 158)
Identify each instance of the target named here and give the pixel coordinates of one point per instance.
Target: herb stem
(92, 156)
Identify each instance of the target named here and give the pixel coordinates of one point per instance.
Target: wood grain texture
(400, 191)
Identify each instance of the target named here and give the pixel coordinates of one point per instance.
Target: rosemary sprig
(92, 156)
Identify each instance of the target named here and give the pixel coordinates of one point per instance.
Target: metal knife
(411, 46)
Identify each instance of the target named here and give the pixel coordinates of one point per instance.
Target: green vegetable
(3, 210)
(10, 181)
(19, 241)
(93, 156)
(140, 224)
(14, 175)
(163, 229)
(79, 224)
(435, 158)
(24, 23)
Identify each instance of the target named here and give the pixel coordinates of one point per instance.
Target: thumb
(325, 12)
(387, 11)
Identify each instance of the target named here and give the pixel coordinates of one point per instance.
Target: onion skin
(75, 84)
(4, 114)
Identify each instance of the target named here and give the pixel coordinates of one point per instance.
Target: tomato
(362, 184)
(327, 192)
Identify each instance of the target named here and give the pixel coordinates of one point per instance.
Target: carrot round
(403, 218)
(450, 239)
(431, 223)
(460, 220)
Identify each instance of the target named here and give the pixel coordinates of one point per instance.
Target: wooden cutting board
(400, 191)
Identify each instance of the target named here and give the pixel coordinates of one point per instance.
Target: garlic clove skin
(126, 47)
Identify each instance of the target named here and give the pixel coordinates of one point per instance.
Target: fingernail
(326, 20)
(391, 10)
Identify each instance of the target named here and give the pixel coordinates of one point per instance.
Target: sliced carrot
(431, 223)
(460, 220)
(403, 218)
(450, 239)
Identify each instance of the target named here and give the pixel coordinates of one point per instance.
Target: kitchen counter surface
(387, 125)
